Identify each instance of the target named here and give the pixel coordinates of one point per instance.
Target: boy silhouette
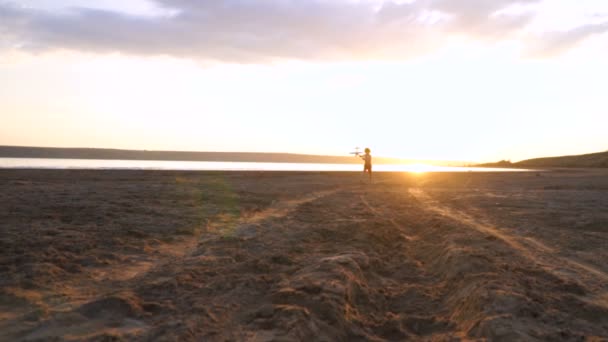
(367, 158)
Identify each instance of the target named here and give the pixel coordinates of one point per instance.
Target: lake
(95, 164)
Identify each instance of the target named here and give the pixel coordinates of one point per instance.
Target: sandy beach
(284, 256)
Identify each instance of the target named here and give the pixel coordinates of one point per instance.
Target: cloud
(265, 30)
(232, 30)
(554, 43)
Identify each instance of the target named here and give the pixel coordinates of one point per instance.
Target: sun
(419, 168)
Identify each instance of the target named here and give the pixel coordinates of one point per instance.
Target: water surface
(98, 164)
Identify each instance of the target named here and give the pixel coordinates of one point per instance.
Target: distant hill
(584, 160)
(112, 154)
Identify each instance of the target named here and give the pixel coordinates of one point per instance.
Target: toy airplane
(357, 153)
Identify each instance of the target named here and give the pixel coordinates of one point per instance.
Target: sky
(467, 80)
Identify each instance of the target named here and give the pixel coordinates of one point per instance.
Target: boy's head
(368, 151)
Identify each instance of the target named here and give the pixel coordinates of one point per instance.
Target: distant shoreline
(591, 160)
(23, 152)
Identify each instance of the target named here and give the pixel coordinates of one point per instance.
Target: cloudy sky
(474, 80)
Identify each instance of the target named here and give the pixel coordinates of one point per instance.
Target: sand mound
(114, 318)
(320, 300)
(123, 305)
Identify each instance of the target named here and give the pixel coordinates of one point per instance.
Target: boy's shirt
(368, 159)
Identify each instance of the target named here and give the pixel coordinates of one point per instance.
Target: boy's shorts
(367, 167)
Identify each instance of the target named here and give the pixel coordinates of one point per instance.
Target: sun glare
(419, 168)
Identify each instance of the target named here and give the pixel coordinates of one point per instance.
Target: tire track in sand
(185, 247)
(547, 260)
(100, 285)
(138, 266)
(390, 220)
(282, 208)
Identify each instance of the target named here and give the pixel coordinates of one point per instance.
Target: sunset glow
(416, 80)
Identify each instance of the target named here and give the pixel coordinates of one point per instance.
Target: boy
(367, 157)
